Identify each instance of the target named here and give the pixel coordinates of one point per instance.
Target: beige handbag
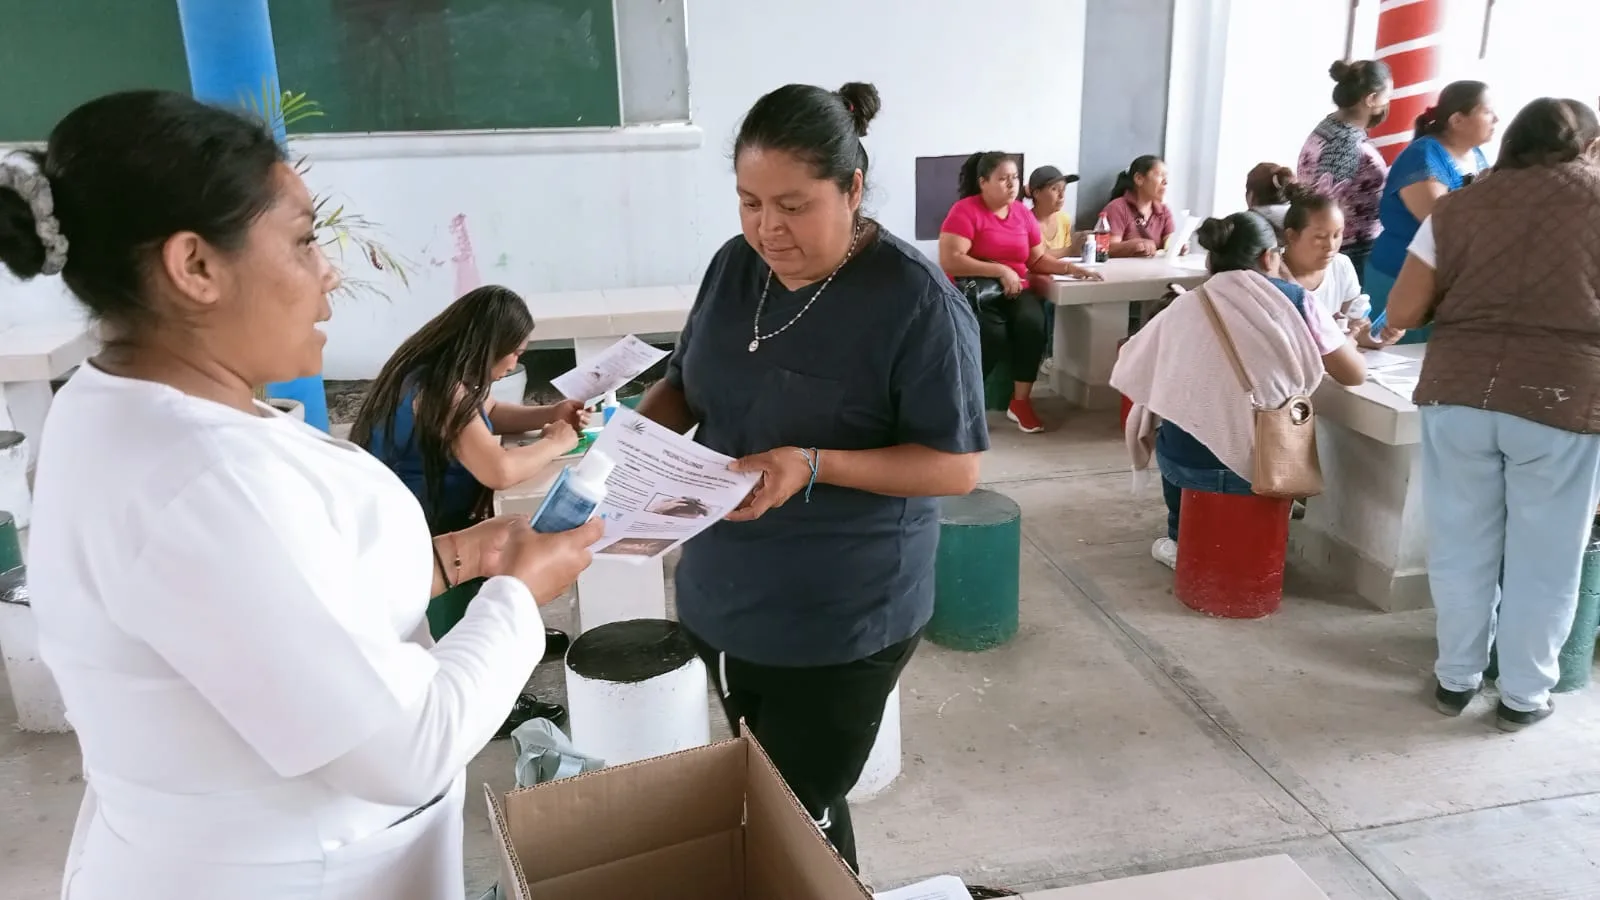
(1285, 438)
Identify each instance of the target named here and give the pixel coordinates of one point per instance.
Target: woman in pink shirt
(1140, 221)
(989, 237)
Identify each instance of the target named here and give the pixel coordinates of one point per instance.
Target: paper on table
(614, 367)
(664, 490)
(1402, 383)
(1182, 232)
(1382, 359)
(945, 887)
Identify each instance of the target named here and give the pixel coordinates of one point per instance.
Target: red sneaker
(1021, 412)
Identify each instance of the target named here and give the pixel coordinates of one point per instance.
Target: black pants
(818, 724)
(1013, 329)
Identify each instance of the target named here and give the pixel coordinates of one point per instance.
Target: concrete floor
(1120, 733)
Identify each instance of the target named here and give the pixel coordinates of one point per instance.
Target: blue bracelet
(813, 458)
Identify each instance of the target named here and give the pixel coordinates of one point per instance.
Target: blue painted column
(231, 57)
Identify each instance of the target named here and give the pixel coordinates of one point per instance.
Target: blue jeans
(1176, 477)
(1501, 492)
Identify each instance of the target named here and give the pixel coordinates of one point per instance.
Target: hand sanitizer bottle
(575, 494)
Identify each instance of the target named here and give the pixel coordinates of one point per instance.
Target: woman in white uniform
(233, 603)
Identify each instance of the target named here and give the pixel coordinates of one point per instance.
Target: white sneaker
(1165, 551)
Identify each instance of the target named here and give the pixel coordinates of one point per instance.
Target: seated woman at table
(1266, 193)
(1139, 219)
(988, 244)
(1175, 369)
(1313, 234)
(430, 418)
(1510, 402)
(1444, 156)
(1047, 191)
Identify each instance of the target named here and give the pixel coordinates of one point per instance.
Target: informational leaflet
(609, 370)
(1401, 381)
(945, 887)
(1378, 360)
(664, 490)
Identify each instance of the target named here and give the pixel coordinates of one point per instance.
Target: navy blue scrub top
(887, 355)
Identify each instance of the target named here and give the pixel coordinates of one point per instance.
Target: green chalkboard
(444, 65)
(56, 54)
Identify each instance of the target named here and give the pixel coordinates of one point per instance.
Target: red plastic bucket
(1231, 554)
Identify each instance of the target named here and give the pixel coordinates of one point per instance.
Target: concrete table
(30, 356)
(1366, 531)
(591, 321)
(1092, 316)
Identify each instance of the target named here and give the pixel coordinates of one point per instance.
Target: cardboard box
(713, 823)
(1264, 878)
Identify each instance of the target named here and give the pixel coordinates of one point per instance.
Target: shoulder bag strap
(1227, 342)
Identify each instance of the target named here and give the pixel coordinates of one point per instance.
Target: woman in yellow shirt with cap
(1047, 188)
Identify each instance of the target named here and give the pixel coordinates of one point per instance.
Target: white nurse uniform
(234, 609)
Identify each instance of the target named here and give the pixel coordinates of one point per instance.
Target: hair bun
(21, 249)
(1341, 69)
(1213, 234)
(862, 102)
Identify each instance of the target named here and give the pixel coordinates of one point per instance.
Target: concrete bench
(1092, 316)
(30, 357)
(591, 321)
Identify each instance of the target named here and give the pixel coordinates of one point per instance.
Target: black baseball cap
(1047, 175)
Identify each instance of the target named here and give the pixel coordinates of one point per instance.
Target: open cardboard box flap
(713, 823)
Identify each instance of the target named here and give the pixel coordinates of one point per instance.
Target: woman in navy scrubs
(838, 362)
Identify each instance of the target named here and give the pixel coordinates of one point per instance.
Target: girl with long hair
(429, 415)
(430, 418)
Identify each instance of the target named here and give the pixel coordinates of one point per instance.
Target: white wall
(565, 212)
(1271, 86)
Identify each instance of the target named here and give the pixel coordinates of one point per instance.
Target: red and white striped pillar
(1410, 33)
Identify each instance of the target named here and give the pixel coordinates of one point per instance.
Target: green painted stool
(1577, 654)
(976, 578)
(445, 610)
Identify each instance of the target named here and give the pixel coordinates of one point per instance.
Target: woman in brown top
(1508, 271)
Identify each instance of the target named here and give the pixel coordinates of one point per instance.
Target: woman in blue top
(1444, 156)
(430, 418)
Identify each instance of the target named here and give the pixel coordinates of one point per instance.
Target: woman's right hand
(1141, 247)
(549, 563)
(1010, 281)
(561, 434)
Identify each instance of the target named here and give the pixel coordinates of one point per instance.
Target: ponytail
(1457, 97)
(1124, 184)
(967, 181)
(1125, 178)
(977, 167)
